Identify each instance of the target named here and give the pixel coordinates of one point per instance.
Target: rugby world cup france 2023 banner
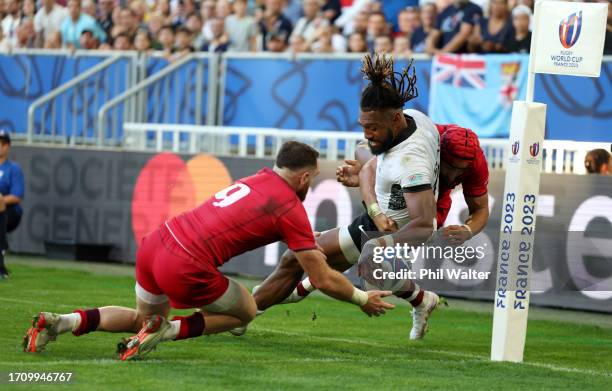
(106, 197)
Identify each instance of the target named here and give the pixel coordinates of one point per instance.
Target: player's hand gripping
(456, 234)
(376, 306)
(348, 174)
(384, 223)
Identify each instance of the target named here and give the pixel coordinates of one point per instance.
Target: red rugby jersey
(254, 211)
(474, 181)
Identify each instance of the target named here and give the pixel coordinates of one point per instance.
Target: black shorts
(367, 225)
(13, 218)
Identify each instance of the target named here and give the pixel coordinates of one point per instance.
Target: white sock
(306, 284)
(173, 331)
(68, 322)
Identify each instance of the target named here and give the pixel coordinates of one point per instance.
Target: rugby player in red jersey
(177, 264)
(406, 144)
(462, 161)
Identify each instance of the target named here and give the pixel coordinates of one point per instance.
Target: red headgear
(458, 143)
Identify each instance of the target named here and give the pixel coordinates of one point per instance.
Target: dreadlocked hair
(387, 89)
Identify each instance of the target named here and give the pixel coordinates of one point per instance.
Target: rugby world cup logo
(569, 29)
(534, 149)
(515, 148)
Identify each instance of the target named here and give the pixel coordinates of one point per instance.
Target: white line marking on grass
(469, 356)
(41, 303)
(108, 361)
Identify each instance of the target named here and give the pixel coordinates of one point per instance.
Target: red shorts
(163, 267)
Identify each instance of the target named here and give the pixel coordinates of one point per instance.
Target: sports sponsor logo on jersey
(415, 179)
(569, 29)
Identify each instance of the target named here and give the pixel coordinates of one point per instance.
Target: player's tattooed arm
(348, 174)
(336, 285)
(421, 207)
(367, 182)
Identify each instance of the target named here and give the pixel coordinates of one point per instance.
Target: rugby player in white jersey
(406, 145)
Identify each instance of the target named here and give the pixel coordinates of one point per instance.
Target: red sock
(416, 301)
(191, 326)
(90, 320)
(301, 291)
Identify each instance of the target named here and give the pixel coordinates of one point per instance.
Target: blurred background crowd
(177, 27)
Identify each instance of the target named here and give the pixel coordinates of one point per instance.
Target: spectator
(11, 21)
(401, 46)
(357, 43)
(377, 26)
(194, 24)
(122, 42)
(408, 20)
(418, 39)
(26, 36)
(308, 24)
(29, 9)
(139, 10)
(88, 41)
(182, 43)
(598, 161)
(220, 41)
(241, 29)
(298, 44)
(128, 22)
(273, 20)
(89, 7)
(74, 25)
(166, 39)
(162, 8)
(520, 40)
(359, 25)
(48, 19)
(207, 11)
(12, 189)
(490, 35)
(105, 17)
(183, 8)
(383, 44)
(331, 10)
(454, 27)
(276, 42)
(53, 40)
(155, 23)
(222, 9)
(142, 41)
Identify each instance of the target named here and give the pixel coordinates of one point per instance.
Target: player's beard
(301, 193)
(386, 145)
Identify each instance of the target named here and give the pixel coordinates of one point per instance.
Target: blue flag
(476, 91)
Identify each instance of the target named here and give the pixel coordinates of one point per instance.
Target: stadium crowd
(176, 27)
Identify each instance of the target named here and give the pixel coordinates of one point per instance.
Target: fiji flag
(477, 91)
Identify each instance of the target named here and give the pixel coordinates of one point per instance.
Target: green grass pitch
(291, 348)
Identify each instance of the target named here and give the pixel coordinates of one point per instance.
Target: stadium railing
(557, 156)
(60, 116)
(183, 91)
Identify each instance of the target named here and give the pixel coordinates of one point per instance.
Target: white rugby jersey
(413, 162)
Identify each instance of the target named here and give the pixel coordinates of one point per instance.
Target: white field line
(467, 356)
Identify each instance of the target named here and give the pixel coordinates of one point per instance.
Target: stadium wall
(309, 92)
(110, 197)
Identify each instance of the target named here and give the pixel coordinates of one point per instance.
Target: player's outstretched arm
(336, 285)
